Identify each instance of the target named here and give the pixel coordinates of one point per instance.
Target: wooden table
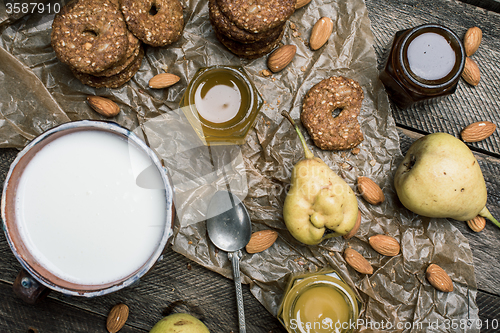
(179, 285)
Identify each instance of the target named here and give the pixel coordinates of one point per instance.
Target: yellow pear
(318, 199)
(179, 323)
(440, 177)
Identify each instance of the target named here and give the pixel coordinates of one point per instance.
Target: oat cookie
(89, 35)
(257, 16)
(114, 81)
(328, 132)
(252, 50)
(230, 30)
(155, 22)
(134, 46)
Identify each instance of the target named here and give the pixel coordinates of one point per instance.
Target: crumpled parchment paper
(38, 92)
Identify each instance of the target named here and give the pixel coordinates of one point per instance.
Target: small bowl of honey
(221, 104)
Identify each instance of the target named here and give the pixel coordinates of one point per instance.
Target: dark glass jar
(424, 62)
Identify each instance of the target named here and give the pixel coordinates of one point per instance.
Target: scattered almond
(261, 240)
(385, 245)
(471, 73)
(472, 39)
(117, 318)
(301, 3)
(355, 229)
(477, 224)
(438, 278)
(357, 261)
(478, 131)
(320, 33)
(103, 106)
(163, 80)
(281, 57)
(370, 191)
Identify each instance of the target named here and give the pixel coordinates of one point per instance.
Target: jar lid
(454, 42)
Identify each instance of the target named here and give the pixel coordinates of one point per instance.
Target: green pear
(179, 323)
(318, 199)
(440, 177)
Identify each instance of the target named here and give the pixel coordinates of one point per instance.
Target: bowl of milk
(87, 208)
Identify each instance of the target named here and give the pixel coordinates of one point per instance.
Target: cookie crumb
(265, 73)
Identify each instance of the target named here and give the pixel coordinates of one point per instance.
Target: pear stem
(486, 214)
(308, 154)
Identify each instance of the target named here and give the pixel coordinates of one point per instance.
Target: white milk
(81, 213)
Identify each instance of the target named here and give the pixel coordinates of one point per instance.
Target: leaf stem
(486, 214)
(308, 154)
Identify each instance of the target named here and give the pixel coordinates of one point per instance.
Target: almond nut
(438, 278)
(355, 229)
(478, 131)
(472, 39)
(320, 33)
(163, 80)
(301, 3)
(117, 318)
(477, 224)
(103, 106)
(370, 191)
(261, 240)
(385, 245)
(357, 261)
(471, 73)
(281, 57)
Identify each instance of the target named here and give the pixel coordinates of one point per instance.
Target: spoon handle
(235, 260)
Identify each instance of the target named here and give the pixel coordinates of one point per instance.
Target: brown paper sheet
(38, 92)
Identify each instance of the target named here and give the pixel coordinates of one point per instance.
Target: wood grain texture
(469, 104)
(491, 5)
(49, 316)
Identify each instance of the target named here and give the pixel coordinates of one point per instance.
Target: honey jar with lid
(221, 103)
(318, 302)
(424, 62)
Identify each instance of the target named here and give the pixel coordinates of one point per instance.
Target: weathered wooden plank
(49, 316)
(469, 104)
(491, 5)
(489, 312)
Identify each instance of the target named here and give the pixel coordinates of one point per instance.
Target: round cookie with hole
(155, 22)
(89, 35)
(330, 113)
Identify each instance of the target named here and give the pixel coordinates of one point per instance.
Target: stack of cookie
(250, 29)
(93, 38)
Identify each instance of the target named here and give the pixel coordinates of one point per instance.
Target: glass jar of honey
(424, 62)
(221, 104)
(318, 303)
